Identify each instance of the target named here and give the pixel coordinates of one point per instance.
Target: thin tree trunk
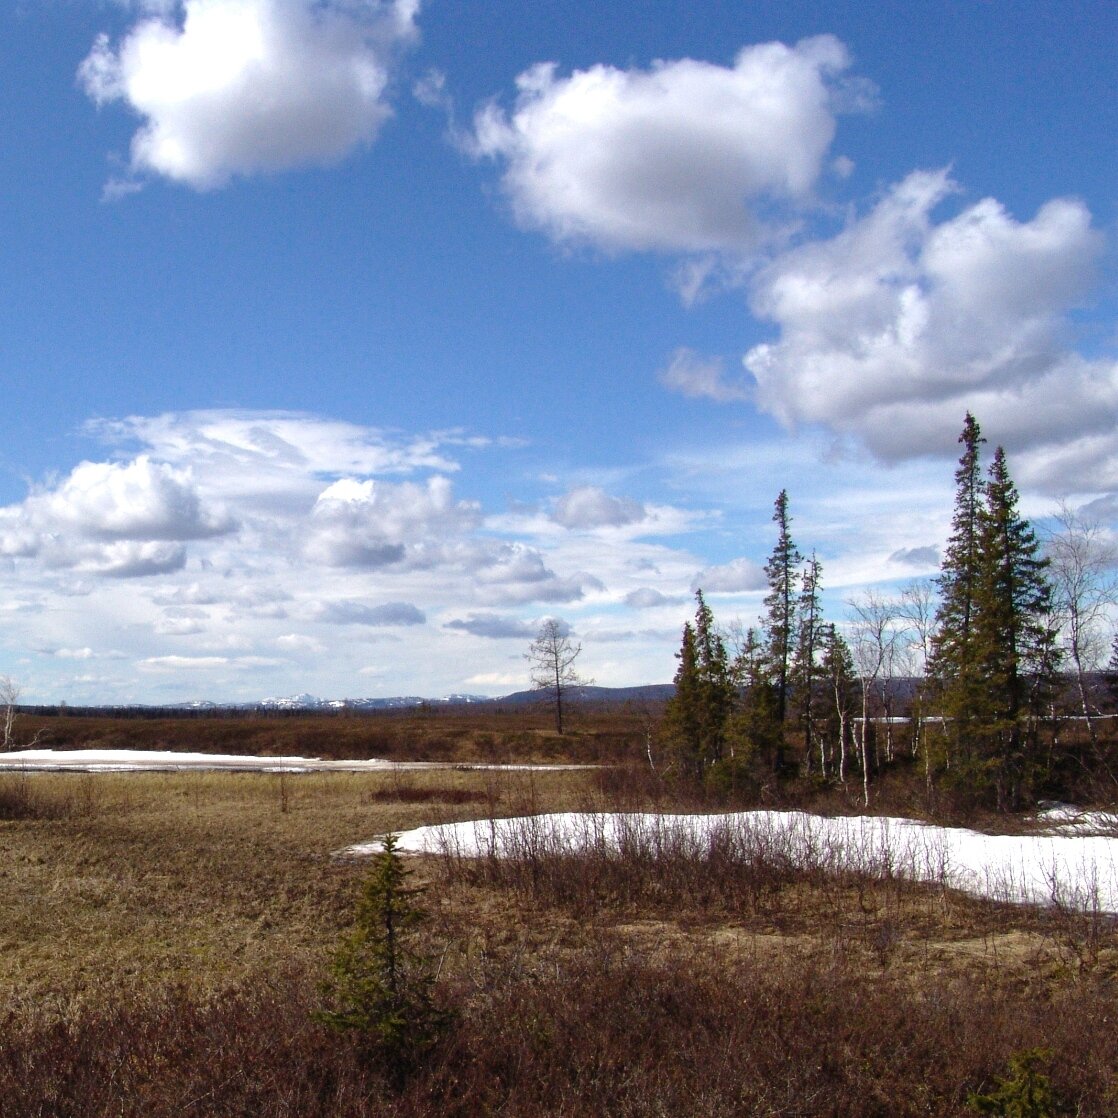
(865, 754)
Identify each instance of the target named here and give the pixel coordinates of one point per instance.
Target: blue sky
(344, 342)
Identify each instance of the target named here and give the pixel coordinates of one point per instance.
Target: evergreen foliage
(755, 728)
(994, 654)
(1025, 1093)
(780, 619)
(380, 984)
(989, 660)
(1015, 641)
(954, 661)
(697, 716)
(806, 666)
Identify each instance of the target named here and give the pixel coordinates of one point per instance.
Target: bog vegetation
(188, 943)
(192, 943)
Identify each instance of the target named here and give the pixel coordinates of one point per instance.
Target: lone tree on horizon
(552, 656)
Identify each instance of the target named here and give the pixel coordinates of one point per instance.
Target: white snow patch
(1067, 819)
(1076, 872)
(142, 760)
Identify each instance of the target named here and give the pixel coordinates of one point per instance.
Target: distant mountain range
(650, 693)
(313, 702)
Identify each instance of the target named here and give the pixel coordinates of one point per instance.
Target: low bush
(595, 1028)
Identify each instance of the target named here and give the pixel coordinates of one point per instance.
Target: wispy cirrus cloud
(691, 374)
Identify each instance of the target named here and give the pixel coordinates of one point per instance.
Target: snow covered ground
(140, 760)
(1073, 871)
(1072, 861)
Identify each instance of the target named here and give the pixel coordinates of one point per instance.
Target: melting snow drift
(1073, 871)
(142, 760)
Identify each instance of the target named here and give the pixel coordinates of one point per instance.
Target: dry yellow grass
(126, 880)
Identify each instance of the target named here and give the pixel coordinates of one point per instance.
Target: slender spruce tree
(806, 668)
(955, 663)
(682, 715)
(780, 619)
(714, 681)
(755, 732)
(1012, 634)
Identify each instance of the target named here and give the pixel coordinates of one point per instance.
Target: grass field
(164, 937)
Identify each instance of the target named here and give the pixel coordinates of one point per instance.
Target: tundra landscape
(168, 937)
(558, 559)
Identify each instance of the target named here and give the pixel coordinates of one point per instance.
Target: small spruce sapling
(1025, 1093)
(380, 984)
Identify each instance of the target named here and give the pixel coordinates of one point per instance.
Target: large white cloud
(111, 518)
(140, 499)
(237, 87)
(678, 157)
(371, 523)
(898, 325)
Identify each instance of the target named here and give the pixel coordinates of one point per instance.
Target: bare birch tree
(917, 612)
(873, 643)
(1082, 570)
(10, 692)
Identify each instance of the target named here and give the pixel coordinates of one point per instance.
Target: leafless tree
(1082, 570)
(917, 613)
(552, 657)
(873, 644)
(10, 692)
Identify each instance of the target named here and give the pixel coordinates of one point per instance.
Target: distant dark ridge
(595, 696)
(286, 708)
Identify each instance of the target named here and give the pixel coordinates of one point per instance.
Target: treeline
(979, 682)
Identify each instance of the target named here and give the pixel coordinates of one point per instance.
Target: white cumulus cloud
(371, 523)
(140, 499)
(238, 87)
(679, 157)
(119, 519)
(894, 328)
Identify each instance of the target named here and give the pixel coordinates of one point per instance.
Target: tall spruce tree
(955, 663)
(682, 714)
(755, 729)
(1014, 639)
(714, 680)
(994, 653)
(780, 618)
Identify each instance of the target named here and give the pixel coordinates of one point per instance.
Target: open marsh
(165, 935)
